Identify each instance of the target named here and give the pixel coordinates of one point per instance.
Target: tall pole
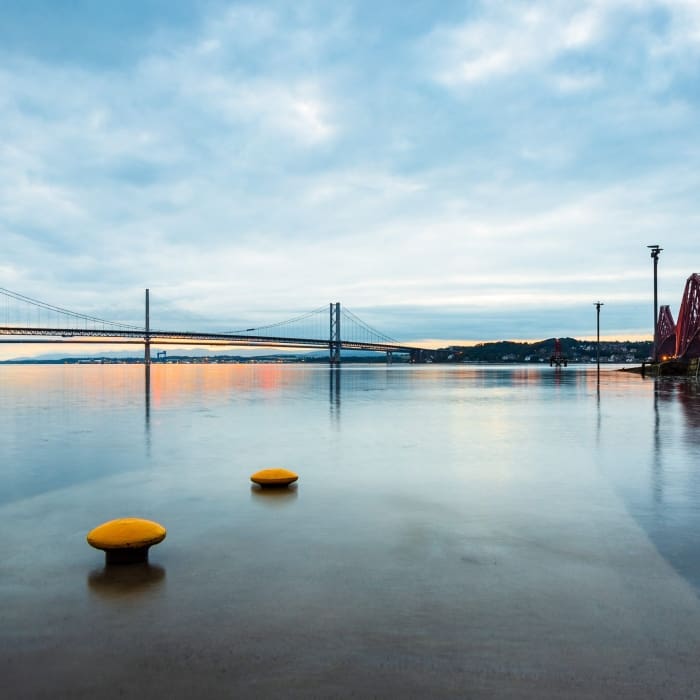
(147, 336)
(655, 252)
(597, 305)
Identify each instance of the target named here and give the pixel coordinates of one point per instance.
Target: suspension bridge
(27, 320)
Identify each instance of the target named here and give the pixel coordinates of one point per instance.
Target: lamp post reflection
(598, 413)
(657, 481)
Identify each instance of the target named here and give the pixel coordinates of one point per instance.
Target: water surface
(455, 529)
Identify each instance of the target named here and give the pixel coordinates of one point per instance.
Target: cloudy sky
(451, 171)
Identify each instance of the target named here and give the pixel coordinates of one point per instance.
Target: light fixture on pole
(597, 305)
(655, 252)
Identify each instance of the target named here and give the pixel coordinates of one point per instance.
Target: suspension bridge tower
(147, 334)
(334, 341)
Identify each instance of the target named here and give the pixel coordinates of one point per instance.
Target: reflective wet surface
(455, 531)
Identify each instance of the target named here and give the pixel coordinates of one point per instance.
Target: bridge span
(56, 325)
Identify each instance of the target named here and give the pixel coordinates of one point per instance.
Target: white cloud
(509, 39)
(583, 29)
(219, 72)
(298, 110)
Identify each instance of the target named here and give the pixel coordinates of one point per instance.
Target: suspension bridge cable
(317, 326)
(357, 320)
(58, 309)
(295, 319)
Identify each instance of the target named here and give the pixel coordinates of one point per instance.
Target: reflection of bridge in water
(27, 320)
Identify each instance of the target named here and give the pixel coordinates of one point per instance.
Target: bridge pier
(147, 335)
(389, 357)
(334, 340)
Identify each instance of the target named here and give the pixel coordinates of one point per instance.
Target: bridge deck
(83, 335)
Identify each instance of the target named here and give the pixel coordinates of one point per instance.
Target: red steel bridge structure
(27, 320)
(680, 339)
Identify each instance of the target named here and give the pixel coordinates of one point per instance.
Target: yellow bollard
(126, 540)
(274, 477)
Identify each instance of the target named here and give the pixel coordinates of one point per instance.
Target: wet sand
(344, 592)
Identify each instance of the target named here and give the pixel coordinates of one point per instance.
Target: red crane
(557, 359)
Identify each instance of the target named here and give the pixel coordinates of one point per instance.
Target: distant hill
(541, 351)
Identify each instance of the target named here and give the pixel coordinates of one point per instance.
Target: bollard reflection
(274, 497)
(122, 581)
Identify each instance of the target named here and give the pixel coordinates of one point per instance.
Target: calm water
(443, 514)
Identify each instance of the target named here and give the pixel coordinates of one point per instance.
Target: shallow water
(538, 525)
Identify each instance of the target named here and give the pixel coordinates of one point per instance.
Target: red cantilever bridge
(27, 320)
(681, 339)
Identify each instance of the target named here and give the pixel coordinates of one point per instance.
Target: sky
(451, 172)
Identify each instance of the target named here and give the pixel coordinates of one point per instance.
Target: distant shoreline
(496, 352)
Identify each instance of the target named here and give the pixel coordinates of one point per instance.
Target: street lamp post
(655, 252)
(597, 305)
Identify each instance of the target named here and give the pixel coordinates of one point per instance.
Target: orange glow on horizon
(12, 351)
